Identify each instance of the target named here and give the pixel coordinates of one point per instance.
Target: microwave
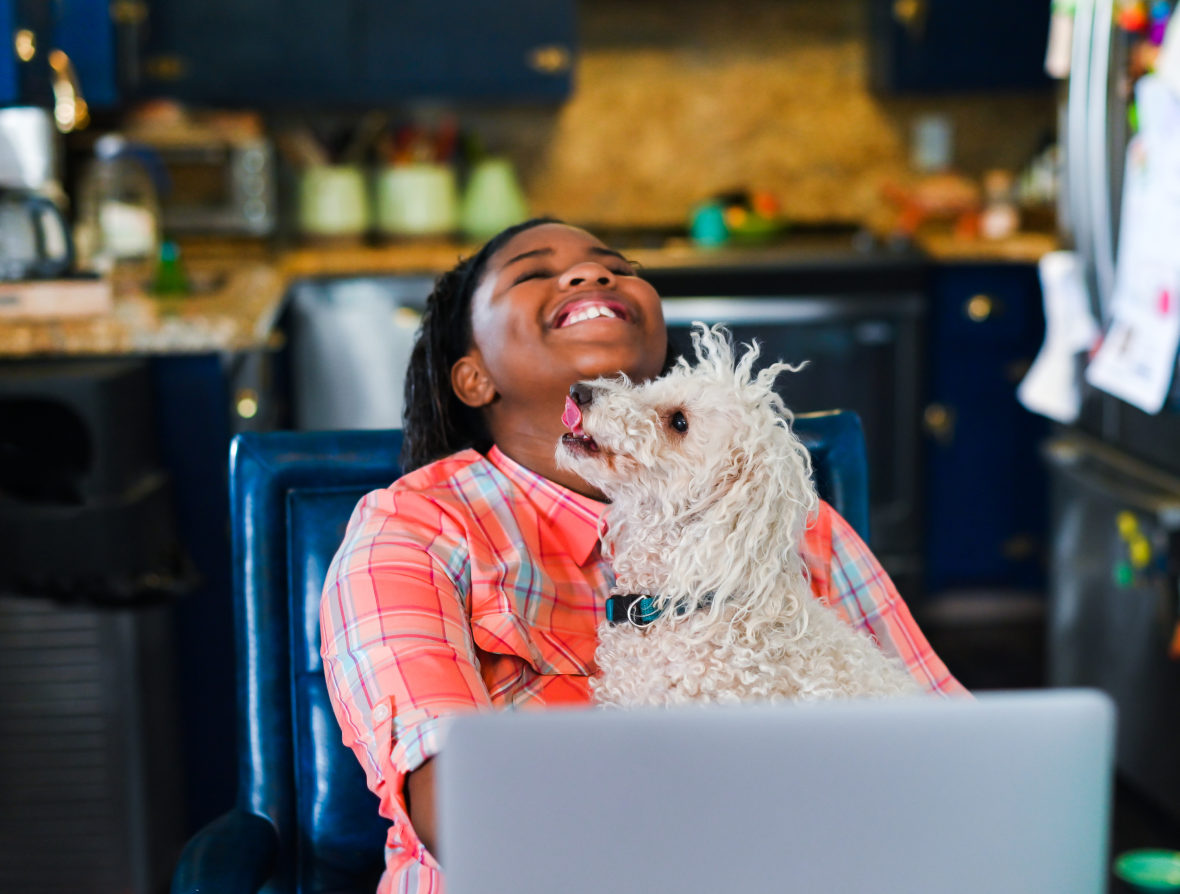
(218, 187)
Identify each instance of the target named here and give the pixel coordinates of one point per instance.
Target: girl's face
(555, 306)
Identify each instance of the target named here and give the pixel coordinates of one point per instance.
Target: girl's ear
(471, 382)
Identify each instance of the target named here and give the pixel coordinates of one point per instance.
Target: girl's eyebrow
(595, 250)
(539, 252)
(536, 252)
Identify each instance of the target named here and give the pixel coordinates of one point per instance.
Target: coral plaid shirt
(474, 583)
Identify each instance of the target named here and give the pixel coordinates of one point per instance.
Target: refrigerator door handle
(1098, 158)
(1098, 475)
(1076, 142)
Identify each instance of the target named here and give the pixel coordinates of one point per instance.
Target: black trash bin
(90, 794)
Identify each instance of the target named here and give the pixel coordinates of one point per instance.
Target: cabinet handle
(550, 59)
(911, 14)
(979, 308)
(939, 422)
(129, 12)
(24, 44)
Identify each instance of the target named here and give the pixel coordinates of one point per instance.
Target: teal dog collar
(632, 609)
(642, 610)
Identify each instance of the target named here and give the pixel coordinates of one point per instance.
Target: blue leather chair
(305, 821)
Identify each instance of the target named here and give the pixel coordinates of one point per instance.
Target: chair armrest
(234, 854)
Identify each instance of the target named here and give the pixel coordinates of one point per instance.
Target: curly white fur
(712, 520)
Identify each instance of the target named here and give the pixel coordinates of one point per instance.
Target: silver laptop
(1006, 795)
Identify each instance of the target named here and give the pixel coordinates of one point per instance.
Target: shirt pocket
(548, 651)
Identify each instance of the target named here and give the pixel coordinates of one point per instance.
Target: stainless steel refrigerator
(1114, 600)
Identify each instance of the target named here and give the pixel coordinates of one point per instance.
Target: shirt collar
(571, 516)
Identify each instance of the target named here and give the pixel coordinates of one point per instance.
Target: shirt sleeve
(861, 589)
(396, 639)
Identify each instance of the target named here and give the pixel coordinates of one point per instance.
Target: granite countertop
(244, 288)
(237, 311)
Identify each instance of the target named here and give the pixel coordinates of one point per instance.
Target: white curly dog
(710, 495)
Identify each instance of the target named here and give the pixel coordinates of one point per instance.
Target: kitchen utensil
(333, 201)
(417, 200)
(118, 205)
(366, 133)
(494, 199)
(28, 148)
(35, 241)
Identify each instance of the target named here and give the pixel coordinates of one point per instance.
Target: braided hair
(435, 421)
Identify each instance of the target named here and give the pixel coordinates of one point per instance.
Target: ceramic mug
(417, 200)
(333, 201)
(493, 201)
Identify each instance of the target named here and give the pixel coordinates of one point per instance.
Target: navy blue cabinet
(933, 46)
(272, 53)
(81, 28)
(9, 84)
(986, 489)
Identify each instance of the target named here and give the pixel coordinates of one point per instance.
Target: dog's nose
(581, 394)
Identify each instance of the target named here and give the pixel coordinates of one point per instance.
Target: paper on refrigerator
(1137, 358)
(1052, 386)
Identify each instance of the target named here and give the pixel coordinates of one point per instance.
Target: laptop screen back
(1010, 793)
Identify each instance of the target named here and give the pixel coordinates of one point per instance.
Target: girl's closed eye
(533, 274)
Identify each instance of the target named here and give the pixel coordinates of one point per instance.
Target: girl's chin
(592, 361)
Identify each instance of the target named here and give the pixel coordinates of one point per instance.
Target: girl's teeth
(591, 313)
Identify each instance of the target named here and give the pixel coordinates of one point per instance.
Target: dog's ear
(769, 377)
(714, 349)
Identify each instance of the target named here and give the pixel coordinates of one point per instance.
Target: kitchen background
(674, 102)
(222, 217)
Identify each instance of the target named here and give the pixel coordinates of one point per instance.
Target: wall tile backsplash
(675, 100)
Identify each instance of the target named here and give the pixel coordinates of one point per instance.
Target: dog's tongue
(572, 418)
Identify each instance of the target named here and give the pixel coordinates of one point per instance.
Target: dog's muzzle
(581, 394)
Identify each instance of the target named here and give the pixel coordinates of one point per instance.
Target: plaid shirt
(474, 583)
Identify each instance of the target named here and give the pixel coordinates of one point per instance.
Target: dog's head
(710, 489)
(687, 438)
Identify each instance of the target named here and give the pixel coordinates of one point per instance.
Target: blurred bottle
(170, 279)
(1000, 218)
(118, 205)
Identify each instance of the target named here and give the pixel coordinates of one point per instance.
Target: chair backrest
(292, 495)
(836, 442)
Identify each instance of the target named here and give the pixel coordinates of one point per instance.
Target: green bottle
(170, 280)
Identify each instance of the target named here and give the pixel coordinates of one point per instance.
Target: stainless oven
(861, 353)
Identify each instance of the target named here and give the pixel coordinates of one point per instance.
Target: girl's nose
(586, 273)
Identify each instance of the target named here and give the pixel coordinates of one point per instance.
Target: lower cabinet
(986, 487)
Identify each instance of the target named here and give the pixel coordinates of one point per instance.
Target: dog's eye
(678, 422)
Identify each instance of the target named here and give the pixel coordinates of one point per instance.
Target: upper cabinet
(941, 46)
(34, 29)
(273, 53)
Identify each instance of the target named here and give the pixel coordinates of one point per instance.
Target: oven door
(860, 353)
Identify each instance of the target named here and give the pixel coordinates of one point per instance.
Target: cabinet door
(358, 52)
(931, 46)
(9, 83)
(986, 488)
(85, 32)
(253, 52)
(476, 49)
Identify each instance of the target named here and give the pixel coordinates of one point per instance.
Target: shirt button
(381, 713)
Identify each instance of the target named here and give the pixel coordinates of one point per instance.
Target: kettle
(35, 242)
